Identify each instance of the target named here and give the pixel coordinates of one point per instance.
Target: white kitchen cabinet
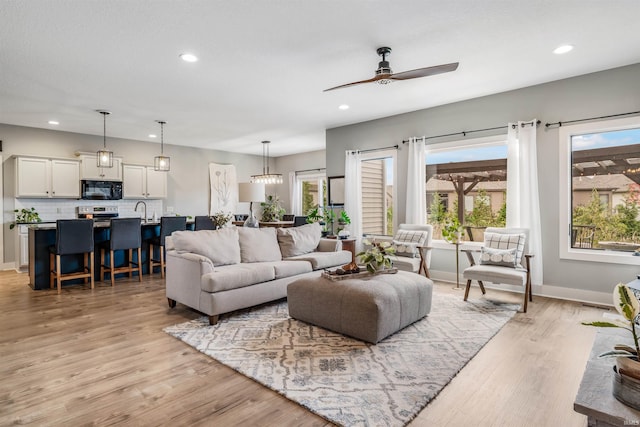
(22, 247)
(143, 182)
(90, 170)
(44, 178)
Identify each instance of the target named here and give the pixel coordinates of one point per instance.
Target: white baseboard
(8, 266)
(557, 292)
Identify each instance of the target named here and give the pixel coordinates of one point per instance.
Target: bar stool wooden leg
(139, 264)
(112, 266)
(129, 259)
(102, 272)
(51, 270)
(162, 261)
(58, 278)
(150, 259)
(91, 260)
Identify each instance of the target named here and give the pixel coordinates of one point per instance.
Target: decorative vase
(626, 389)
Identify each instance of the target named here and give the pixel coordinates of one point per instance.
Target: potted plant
(272, 209)
(628, 306)
(25, 216)
(314, 215)
(329, 217)
(377, 257)
(452, 231)
(220, 219)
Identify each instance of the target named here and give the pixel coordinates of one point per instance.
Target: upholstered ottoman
(369, 308)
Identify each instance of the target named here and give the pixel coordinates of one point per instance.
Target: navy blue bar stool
(73, 236)
(204, 223)
(168, 224)
(126, 235)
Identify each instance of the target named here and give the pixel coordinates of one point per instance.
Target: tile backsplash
(54, 209)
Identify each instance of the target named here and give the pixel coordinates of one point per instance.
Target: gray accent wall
(603, 93)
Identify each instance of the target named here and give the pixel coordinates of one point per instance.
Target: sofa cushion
(220, 246)
(259, 244)
(320, 260)
(299, 240)
(236, 276)
(289, 268)
(495, 274)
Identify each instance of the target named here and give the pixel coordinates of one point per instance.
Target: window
(467, 180)
(378, 192)
(600, 200)
(313, 188)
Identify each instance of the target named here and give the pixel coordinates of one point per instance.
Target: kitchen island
(42, 236)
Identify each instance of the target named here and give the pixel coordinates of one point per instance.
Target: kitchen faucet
(145, 209)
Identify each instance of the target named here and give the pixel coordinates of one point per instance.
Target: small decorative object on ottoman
(369, 309)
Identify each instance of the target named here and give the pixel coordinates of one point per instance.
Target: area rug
(346, 381)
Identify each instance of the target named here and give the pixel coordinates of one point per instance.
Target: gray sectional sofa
(218, 271)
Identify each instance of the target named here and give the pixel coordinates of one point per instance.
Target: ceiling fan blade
(356, 83)
(424, 72)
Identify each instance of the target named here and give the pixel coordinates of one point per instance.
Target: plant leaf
(601, 324)
(616, 353)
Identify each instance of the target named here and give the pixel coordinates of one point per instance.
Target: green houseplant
(377, 257)
(24, 216)
(221, 218)
(452, 231)
(272, 209)
(628, 307)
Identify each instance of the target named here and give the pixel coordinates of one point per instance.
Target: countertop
(96, 224)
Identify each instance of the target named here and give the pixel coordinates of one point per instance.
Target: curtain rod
(559, 124)
(465, 132)
(312, 170)
(374, 149)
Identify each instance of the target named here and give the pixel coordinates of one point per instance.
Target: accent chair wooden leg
(58, 274)
(214, 319)
(112, 266)
(466, 290)
(482, 287)
(139, 264)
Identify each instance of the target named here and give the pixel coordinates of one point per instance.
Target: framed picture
(335, 190)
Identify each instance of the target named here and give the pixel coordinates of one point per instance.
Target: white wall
(187, 183)
(292, 163)
(608, 92)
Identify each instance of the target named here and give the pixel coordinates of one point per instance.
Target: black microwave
(101, 190)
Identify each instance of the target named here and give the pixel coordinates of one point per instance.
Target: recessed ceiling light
(343, 107)
(152, 135)
(563, 49)
(188, 57)
(54, 122)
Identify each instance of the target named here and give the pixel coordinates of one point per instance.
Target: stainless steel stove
(98, 213)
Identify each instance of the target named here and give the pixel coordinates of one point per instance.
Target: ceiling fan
(384, 75)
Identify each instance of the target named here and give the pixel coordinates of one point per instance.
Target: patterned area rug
(347, 381)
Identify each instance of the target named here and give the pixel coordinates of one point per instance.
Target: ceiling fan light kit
(384, 74)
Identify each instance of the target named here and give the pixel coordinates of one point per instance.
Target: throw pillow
(259, 244)
(418, 237)
(408, 249)
(506, 241)
(220, 246)
(299, 240)
(501, 257)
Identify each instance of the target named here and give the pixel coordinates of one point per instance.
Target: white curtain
(416, 208)
(352, 195)
(295, 194)
(523, 200)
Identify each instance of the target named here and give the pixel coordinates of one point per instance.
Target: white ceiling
(264, 63)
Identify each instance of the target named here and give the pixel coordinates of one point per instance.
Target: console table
(595, 398)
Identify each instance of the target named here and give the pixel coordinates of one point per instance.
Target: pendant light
(162, 163)
(266, 177)
(104, 156)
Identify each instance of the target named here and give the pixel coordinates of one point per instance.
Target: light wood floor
(100, 358)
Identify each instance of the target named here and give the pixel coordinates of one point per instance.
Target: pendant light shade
(266, 177)
(162, 163)
(104, 157)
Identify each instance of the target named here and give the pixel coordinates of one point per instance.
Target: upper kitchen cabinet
(143, 182)
(44, 178)
(90, 170)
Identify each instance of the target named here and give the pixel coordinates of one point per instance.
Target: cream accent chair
(520, 276)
